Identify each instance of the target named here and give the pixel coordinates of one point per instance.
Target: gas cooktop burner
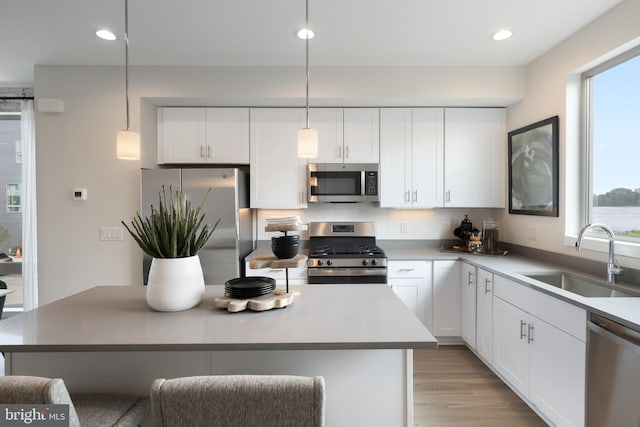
(348, 250)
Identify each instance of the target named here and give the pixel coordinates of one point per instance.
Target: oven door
(344, 275)
(343, 183)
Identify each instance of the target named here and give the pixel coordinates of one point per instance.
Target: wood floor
(452, 387)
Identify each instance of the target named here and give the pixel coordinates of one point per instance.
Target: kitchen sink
(583, 286)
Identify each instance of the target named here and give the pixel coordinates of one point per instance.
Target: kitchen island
(359, 337)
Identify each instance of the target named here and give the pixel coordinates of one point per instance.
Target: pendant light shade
(128, 142)
(128, 145)
(307, 143)
(307, 137)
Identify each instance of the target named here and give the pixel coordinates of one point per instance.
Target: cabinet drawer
(277, 273)
(407, 269)
(562, 315)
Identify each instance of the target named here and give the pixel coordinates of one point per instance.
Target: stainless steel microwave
(343, 183)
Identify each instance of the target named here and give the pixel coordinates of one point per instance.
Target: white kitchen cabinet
(468, 304)
(446, 298)
(203, 135)
(411, 157)
(347, 135)
(484, 314)
(361, 135)
(540, 350)
(475, 160)
(411, 282)
(277, 176)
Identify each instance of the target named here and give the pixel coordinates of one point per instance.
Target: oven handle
(346, 271)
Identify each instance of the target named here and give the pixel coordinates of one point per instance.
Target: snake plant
(173, 230)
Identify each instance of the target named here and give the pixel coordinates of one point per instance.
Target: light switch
(111, 233)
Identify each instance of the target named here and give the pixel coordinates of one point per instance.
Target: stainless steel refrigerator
(222, 257)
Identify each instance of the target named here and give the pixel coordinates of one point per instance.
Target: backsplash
(391, 224)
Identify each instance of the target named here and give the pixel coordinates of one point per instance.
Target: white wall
(551, 89)
(77, 148)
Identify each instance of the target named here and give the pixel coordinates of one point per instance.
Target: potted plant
(172, 235)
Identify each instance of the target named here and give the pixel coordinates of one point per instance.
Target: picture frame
(533, 169)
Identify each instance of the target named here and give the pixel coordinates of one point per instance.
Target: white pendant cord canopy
(307, 137)
(128, 145)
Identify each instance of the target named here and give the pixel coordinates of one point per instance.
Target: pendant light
(128, 142)
(307, 137)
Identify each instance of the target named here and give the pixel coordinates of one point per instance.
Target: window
(612, 94)
(14, 198)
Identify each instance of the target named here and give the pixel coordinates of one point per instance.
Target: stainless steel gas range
(345, 252)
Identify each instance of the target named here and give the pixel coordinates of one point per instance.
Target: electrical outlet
(403, 227)
(111, 233)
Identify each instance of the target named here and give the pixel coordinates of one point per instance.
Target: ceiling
(261, 32)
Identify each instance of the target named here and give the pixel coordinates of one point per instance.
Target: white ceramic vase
(175, 284)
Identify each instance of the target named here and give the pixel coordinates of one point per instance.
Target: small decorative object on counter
(173, 234)
(475, 243)
(465, 230)
(490, 232)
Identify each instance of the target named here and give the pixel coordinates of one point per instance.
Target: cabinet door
(329, 124)
(475, 141)
(557, 374)
(411, 281)
(181, 135)
(446, 298)
(510, 347)
(484, 315)
(277, 175)
(426, 157)
(468, 304)
(395, 157)
(228, 135)
(361, 135)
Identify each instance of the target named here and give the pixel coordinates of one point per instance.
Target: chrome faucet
(612, 266)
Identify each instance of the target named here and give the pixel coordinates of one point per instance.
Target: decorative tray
(465, 250)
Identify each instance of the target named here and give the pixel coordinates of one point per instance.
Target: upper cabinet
(474, 153)
(347, 135)
(434, 157)
(203, 135)
(411, 157)
(277, 176)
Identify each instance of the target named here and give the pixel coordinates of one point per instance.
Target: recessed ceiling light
(106, 35)
(501, 35)
(304, 34)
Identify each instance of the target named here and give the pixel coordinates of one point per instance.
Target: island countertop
(117, 318)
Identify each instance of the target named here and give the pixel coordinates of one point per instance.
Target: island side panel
(364, 387)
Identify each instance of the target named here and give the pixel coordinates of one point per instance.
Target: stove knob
(373, 262)
(320, 262)
(365, 262)
(329, 262)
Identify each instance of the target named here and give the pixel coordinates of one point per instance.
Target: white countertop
(117, 318)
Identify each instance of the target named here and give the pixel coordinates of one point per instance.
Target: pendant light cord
(126, 58)
(307, 59)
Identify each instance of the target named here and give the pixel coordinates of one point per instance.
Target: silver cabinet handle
(405, 270)
(209, 154)
(522, 331)
(415, 196)
(339, 151)
(486, 286)
(202, 151)
(470, 278)
(346, 152)
(447, 197)
(530, 334)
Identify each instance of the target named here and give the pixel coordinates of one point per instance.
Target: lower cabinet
(411, 282)
(484, 315)
(446, 298)
(539, 348)
(468, 304)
